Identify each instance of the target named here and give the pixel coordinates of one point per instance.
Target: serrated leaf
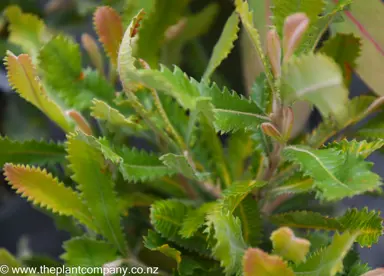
(230, 246)
(26, 30)
(357, 148)
(167, 218)
(315, 78)
(336, 174)
(344, 49)
(109, 28)
(374, 129)
(59, 55)
(232, 196)
(42, 189)
(362, 19)
(357, 109)
(257, 262)
(180, 164)
(125, 59)
(232, 111)
(23, 77)
(261, 93)
(294, 184)
(139, 165)
(153, 27)
(176, 84)
(97, 188)
(287, 245)
(246, 17)
(328, 261)
(367, 224)
(86, 252)
(76, 87)
(102, 111)
(251, 222)
(30, 152)
(155, 242)
(224, 45)
(194, 220)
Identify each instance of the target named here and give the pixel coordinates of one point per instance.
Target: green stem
(169, 127)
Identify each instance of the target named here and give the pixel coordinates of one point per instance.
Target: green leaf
(224, 46)
(344, 49)
(357, 148)
(246, 17)
(42, 189)
(23, 77)
(155, 242)
(230, 246)
(86, 252)
(176, 84)
(97, 188)
(367, 224)
(283, 8)
(294, 184)
(357, 109)
(139, 165)
(362, 19)
(374, 129)
(180, 164)
(167, 218)
(316, 79)
(287, 245)
(102, 111)
(154, 26)
(125, 59)
(61, 54)
(30, 152)
(257, 262)
(109, 28)
(232, 111)
(26, 30)
(131, 8)
(328, 261)
(251, 222)
(336, 174)
(6, 258)
(232, 196)
(261, 93)
(195, 219)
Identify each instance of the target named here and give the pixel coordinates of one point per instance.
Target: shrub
(219, 185)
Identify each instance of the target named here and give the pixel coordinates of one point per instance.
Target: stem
(169, 127)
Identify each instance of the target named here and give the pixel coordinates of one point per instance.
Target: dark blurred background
(24, 229)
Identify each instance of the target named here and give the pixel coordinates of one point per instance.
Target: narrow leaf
(30, 152)
(42, 189)
(109, 28)
(23, 78)
(224, 46)
(195, 219)
(97, 188)
(155, 242)
(180, 164)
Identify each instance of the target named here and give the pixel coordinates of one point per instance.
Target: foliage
(203, 190)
